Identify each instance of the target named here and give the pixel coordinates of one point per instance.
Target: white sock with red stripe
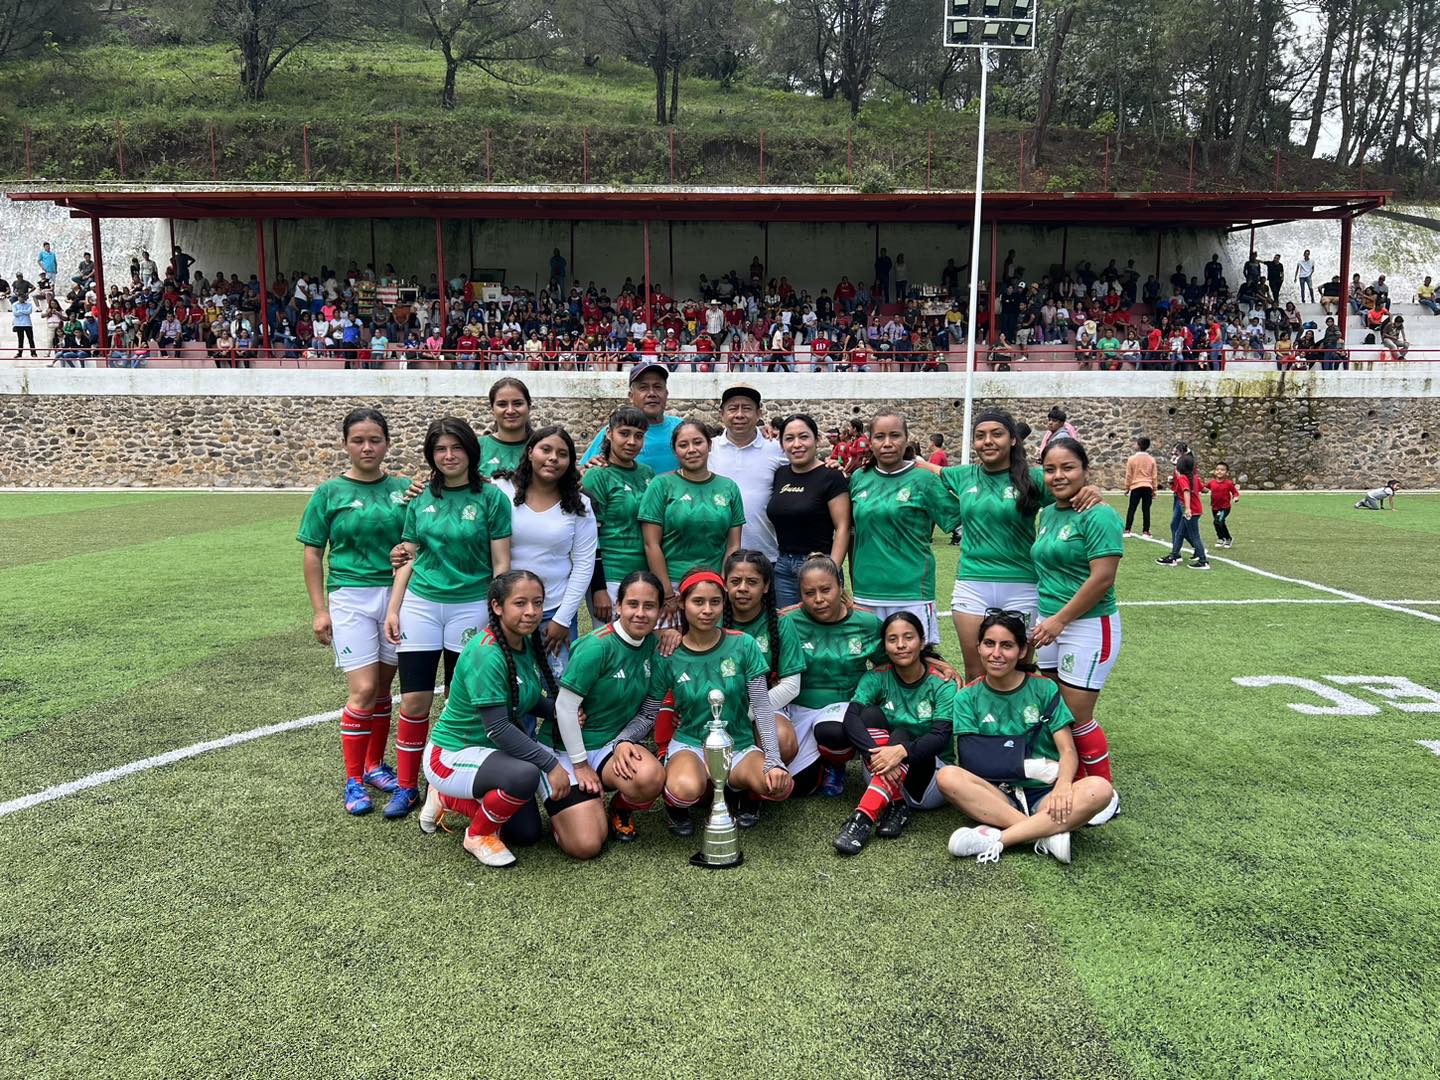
(409, 745)
(354, 739)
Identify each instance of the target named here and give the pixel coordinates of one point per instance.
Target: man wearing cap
(745, 456)
(650, 393)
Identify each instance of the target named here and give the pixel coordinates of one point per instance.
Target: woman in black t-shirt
(809, 505)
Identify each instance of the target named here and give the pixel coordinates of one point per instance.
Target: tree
(27, 25)
(653, 32)
(486, 34)
(1048, 84)
(847, 38)
(265, 32)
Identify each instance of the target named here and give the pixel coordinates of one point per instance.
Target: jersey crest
(720, 500)
(727, 668)
(856, 646)
(397, 496)
(924, 710)
(903, 495)
(468, 514)
(1032, 714)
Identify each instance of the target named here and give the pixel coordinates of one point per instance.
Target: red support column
(645, 229)
(1344, 320)
(275, 243)
(440, 271)
(103, 316)
(171, 223)
(1252, 240)
(994, 285)
(264, 350)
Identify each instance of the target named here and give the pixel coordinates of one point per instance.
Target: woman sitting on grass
(1039, 802)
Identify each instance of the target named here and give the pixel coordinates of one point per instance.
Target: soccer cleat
(680, 821)
(489, 849)
(1168, 560)
(983, 842)
(894, 819)
(1199, 564)
(622, 826)
(402, 802)
(1111, 811)
(747, 811)
(832, 780)
(357, 799)
(433, 812)
(381, 778)
(1057, 845)
(854, 834)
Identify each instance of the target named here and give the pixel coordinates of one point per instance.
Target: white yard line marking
(1354, 598)
(1433, 745)
(1265, 600)
(60, 791)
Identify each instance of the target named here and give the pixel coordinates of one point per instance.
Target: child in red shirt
(1223, 494)
(1185, 523)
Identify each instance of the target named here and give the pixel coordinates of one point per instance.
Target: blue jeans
(787, 579)
(559, 661)
(1189, 530)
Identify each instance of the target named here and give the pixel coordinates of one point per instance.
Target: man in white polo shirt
(745, 456)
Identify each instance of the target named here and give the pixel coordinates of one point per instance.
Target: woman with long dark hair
(553, 533)
(358, 517)
(457, 531)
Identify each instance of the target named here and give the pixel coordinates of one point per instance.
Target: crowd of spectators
(753, 321)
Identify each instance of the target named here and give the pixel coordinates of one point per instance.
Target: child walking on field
(1223, 495)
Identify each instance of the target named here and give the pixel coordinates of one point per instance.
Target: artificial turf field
(1268, 905)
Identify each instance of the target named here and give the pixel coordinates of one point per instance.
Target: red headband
(698, 577)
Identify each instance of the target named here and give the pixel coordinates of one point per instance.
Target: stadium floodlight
(1007, 24)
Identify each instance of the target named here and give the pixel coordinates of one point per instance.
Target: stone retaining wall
(155, 429)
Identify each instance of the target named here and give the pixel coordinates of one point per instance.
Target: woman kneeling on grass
(480, 762)
(900, 718)
(711, 658)
(1038, 800)
(609, 677)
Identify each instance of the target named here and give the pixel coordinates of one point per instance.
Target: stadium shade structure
(1160, 211)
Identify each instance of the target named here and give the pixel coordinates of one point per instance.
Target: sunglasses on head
(1011, 612)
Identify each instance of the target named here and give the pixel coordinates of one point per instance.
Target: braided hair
(500, 589)
(761, 562)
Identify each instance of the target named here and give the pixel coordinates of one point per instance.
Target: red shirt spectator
(1187, 489)
(1222, 493)
(940, 458)
(820, 349)
(856, 450)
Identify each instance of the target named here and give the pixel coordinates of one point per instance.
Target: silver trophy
(720, 846)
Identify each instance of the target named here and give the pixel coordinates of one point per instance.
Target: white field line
(1266, 600)
(1433, 745)
(60, 791)
(1354, 598)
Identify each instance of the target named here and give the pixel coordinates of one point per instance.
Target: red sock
(834, 757)
(379, 732)
(468, 807)
(664, 726)
(1093, 748)
(620, 804)
(880, 794)
(675, 802)
(354, 738)
(409, 745)
(496, 808)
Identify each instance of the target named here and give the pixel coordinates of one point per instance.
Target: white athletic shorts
(1084, 653)
(452, 772)
(357, 616)
(803, 720)
(977, 597)
(595, 758)
(426, 626)
(924, 610)
(932, 799)
(678, 747)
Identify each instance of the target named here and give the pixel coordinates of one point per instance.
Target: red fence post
(305, 140)
(762, 155)
(29, 172)
(672, 156)
(1022, 161)
(487, 155)
(584, 155)
(214, 163)
(397, 151)
(1192, 165)
(849, 155)
(1107, 162)
(929, 155)
(120, 145)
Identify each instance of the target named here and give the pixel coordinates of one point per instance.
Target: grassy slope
(1258, 911)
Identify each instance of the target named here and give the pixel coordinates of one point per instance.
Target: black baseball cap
(645, 366)
(740, 391)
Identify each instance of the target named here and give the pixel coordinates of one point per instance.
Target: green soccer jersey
(452, 533)
(910, 710)
(982, 710)
(728, 666)
(787, 659)
(836, 655)
(481, 681)
(615, 494)
(695, 519)
(496, 455)
(360, 521)
(1064, 545)
(995, 543)
(895, 517)
(612, 677)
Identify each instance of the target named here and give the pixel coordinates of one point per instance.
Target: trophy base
(698, 859)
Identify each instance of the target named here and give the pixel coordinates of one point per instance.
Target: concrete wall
(280, 428)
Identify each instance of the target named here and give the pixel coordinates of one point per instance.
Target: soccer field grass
(1268, 905)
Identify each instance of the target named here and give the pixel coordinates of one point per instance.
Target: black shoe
(1168, 560)
(680, 821)
(893, 820)
(854, 835)
(1199, 564)
(747, 811)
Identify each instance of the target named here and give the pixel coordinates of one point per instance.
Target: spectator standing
(1141, 477)
(1275, 271)
(883, 266)
(650, 394)
(182, 263)
(557, 271)
(742, 454)
(938, 457)
(902, 277)
(21, 314)
(1057, 423)
(48, 263)
(1304, 274)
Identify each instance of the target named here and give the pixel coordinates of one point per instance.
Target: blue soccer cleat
(402, 802)
(382, 778)
(832, 781)
(357, 799)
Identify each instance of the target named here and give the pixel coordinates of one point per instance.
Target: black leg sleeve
(523, 830)
(451, 659)
(831, 735)
(859, 721)
(417, 671)
(501, 772)
(918, 774)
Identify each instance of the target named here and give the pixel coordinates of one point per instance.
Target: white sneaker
(1112, 810)
(1145, 536)
(432, 811)
(983, 842)
(1128, 535)
(490, 850)
(1057, 845)
(1042, 769)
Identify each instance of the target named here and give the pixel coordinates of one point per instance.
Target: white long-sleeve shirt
(557, 547)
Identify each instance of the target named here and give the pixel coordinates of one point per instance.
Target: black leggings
(520, 779)
(1222, 530)
(1141, 497)
(918, 770)
(417, 670)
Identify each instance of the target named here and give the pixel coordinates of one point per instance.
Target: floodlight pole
(975, 264)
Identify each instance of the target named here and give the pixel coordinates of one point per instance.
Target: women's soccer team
(477, 572)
